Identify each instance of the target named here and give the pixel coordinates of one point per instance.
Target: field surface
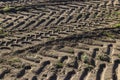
(60, 40)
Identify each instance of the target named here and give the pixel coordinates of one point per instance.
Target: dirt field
(53, 40)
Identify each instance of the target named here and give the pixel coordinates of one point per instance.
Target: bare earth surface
(61, 41)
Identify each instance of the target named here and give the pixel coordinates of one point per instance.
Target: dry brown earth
(71, 40)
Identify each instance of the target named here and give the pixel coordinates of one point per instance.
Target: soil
(60, 40)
